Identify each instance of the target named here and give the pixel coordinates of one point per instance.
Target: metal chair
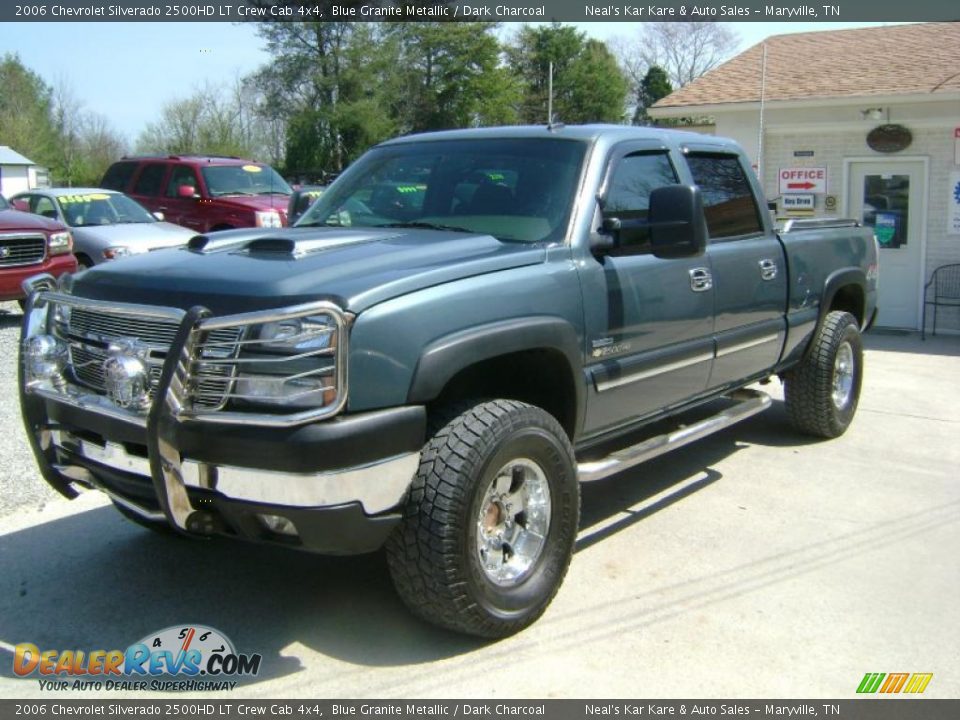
(945, 282)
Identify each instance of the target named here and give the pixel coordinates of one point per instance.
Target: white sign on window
(953, 216)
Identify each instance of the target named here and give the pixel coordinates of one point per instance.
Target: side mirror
(186, 191)
(678, 227)
(159, 216)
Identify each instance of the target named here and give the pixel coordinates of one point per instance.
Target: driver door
(649, 320)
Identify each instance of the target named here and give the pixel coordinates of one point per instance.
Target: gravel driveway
(21, 486)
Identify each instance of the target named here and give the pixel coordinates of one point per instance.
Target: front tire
(489, 527)
(823, 391)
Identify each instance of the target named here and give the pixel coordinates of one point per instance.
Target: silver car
(105, 224)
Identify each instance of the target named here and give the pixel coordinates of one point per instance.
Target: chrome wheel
(513, 521)
(843, 376)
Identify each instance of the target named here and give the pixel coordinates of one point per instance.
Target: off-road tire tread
(422, 552)
(808, 386)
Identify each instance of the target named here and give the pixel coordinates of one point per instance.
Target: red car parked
(204, 192)
(29, 245)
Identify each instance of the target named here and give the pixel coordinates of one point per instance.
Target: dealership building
(858, 123)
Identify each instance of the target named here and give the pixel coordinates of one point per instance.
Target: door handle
(700, 280)
(768, 269)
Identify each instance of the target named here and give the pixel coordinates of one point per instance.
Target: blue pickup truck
(463, 327)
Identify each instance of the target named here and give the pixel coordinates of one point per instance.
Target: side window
(181, 175)
(149, 181)
(728, 201)
(118, 176)
(628, 196)
(40, 205)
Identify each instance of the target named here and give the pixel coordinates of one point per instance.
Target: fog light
(279, 525)
(45, 358)
(126, 374)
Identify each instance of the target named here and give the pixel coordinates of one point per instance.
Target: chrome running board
(750, 402)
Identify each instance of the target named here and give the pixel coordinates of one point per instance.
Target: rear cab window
(728, 200)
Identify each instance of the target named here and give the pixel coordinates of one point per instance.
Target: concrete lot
(755, 563)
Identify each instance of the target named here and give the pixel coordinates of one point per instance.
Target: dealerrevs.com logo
(182, 657)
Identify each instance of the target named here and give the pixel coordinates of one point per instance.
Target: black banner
(476, 10)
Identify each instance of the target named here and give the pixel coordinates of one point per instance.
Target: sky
(127, 71)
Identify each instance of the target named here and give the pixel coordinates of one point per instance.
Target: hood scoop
(206, 244)
(291, 243)
(296, 247)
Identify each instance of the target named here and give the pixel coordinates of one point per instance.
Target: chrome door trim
(604, 385)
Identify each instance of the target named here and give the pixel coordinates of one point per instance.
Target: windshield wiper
(427, 226)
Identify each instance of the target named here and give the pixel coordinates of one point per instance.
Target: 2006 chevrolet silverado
(435, 356)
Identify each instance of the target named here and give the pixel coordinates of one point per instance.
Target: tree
(327, 79)
(654, 85)
(588, 86)
(216, 120)
(449, 76)
(25, 103)
(686, 50)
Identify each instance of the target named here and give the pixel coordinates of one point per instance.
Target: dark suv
(204, 192)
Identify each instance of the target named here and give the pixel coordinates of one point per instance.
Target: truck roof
(608, 134)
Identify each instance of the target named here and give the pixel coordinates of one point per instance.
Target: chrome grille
(90, 333)
(22, 249)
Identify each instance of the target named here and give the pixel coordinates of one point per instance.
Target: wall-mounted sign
(885, 229)
(792, 203)
(953, 214)
(889, 138)
(803, 180)
(803, 153)
(830, 203)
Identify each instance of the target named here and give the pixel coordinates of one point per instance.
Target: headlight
(289, 363)
(60, 243)
(117, 251)
(297, 334)
(268, 219)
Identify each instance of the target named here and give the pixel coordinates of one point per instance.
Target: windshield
(251, 179)
(514, 189)
(86, 209)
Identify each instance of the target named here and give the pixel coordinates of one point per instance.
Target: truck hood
(17, 220)
(242, 270)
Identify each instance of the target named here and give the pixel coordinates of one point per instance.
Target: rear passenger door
(148, 187)
(748, 266)
(649, 320)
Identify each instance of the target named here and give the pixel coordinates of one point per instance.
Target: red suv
(30, 245)
(204, 192)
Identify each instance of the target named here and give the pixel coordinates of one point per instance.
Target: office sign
(803, 180)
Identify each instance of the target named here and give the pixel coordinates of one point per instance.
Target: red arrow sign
(801, 186)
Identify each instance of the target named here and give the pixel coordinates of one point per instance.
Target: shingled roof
(892, 60)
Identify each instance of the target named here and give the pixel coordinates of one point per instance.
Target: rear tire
(823, 391)
(490, 523)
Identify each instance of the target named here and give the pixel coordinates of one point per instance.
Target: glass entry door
(888, 196)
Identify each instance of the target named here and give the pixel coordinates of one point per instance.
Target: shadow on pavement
(95, 581)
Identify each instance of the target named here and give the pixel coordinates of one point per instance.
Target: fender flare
(836, 280)
(443, 358)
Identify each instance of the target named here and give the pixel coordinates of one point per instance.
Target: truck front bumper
(333, 486)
